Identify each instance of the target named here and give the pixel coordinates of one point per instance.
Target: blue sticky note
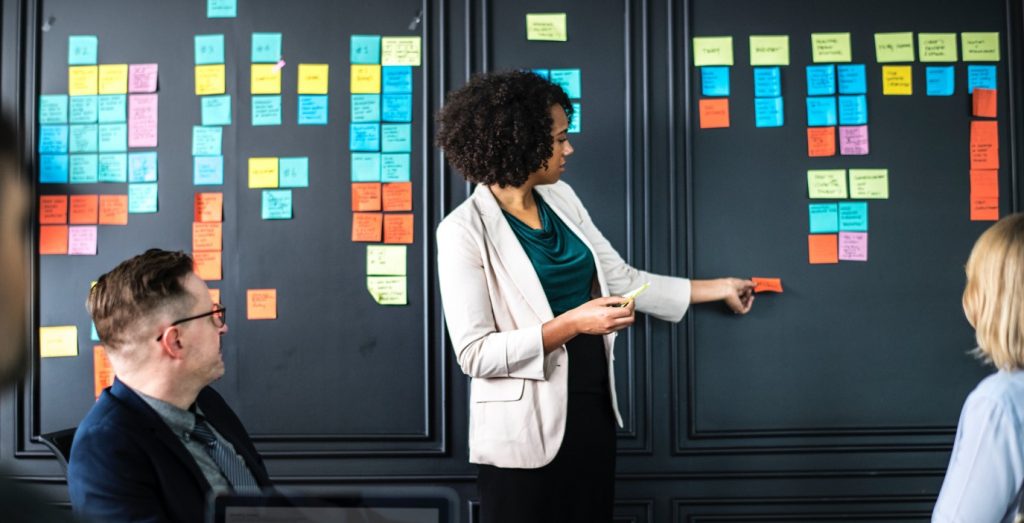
(206, 141)
(266, 110)
(277, 204)
(113, 137)
(312, 109)
(209, 49)
(824, 217)
(767, 82)
(365, 49)
(568, 80)
(84, 168)
(93, 335)
(543, 73)
(112, 108)
(266, 48)
(221, 8)
(939, 80)
(396, 108)
(53, 168)
(853, 110)
(366, 167)
(395, 167)
(983, 76)
(53, 139)
(293, 172)
(821, 110)
(142, 167)
(53, 108)
(768, 112)
(714, 81)
(396, 138)
(142, 198)
(821, 80)
(208, 170)
(365, 108)
(396, 79)
(364, 137)
(112, 168)
(216, 110)
(82, 109)
(82, 49)
(852, 79)
(853, 216)
(575, 119)
(84, 138)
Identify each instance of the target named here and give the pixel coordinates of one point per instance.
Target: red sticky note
(102, 372)
(821, 141)
(366, 226)
(261, 304)
(53, 209)
(397, 196)
(366, 196)
(206, 236)
(714, 113)
(983, 102)
(767, 284)
(84, 209)
(207, 265)
(398, 228)
(823, 248)
(209, 207)
(984, 144)
(53, 239)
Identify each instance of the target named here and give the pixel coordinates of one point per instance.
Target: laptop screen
(346, 509)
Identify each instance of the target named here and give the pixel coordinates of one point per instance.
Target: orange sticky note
(53, 209)
(984, 144)
(366, 196)
(206, 236)
(398, 228)
(102, 372)
(207, 265)
(84, 209)
(983, 102)
(366, 226)
(261, 304)
(53, 239)
(209, 207)
(714, 113)
(113, 209)
(214, 295)
(984, 182)
(767, 284)
(397, 196)
(821, 141)
(823, 248)
(984, 208)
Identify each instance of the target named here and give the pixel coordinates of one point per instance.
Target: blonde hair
(993, 298)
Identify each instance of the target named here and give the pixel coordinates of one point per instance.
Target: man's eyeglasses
(216, 317)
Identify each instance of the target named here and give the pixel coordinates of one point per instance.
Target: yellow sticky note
(313, 78)
(404, 50)
(385, 260)
(113, 79)
(365, 79)
(263, 173)
(210, 79)
(829, 184)
(869, 183)
(712, 50)
(831, 47)
(549, 27)
(388, 290)
(897, 79)
(936, 47)
(82, 79)
(980, 47)
(894, 47)
(55, 342)
(266, 79)
(769, 50)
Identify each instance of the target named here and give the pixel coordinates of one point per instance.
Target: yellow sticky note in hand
(113, 79)
(388, 290)
(897, 80)
(263, 173)
(55, 342)
(365, 79)
(210, 79)
(404, 50)
(82, 80)
(266, 79)
(313, 78)
(549, 27)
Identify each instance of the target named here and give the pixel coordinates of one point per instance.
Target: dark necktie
(230, 464)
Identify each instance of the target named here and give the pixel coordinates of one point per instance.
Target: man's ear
(170, 344)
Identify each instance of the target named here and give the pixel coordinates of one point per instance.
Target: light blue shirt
(987, 466)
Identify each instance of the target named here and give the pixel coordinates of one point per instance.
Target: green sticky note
(293, 172)
(980, 47)
(209, 49)
(142, 198)
(216, 110)
(206, 141)
(869, 184)
(769, 50)
(388, 290)
(831, 47)
(82, 109)
(395, 167)
(826, 183)
(112, 108)
(712, 50)
(53, 108)
(549, 27)
(113, 137)
(366, 167)
(112, 168)
(84, 168)
(266, 48)
(277, 204)
(364, 49)
(894, 47)
(82, 49)
(266, 110)
(385, 260)
(936, 47)
(221, 8)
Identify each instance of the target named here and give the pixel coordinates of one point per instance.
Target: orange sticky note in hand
(113, 209)
(84, 209)
(714, 113)
(366, 226)
(102, 372)
(397, 196)
(983, 102)
(821, 141)
(398, 228)
(206, 236)
(261, 304)
(209, 207)
(53, 209)
(366, 196)
(53, 239)
(767, 284)
(823, 248)
(207, 265)
(984, 144)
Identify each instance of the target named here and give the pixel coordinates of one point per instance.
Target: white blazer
(494, 306)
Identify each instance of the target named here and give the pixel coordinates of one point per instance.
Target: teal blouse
(562, 261)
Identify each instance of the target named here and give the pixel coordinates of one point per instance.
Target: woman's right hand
(603, 315)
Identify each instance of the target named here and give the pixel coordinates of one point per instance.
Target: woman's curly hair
(497, 128)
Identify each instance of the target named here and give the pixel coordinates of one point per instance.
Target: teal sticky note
(82, 49)
(365, 108)
(395, 167)
(216, 110)
(221, 8)
(821, 111)
(53, 108)
(82, 109)
(53, 139)
(939, 80)
(714, 81)
(396, 138)
(93, 335)
(312, 109)
(821, 80)
(266, 110)
(113, 137)
(53, 168)
(206, 141)
(142, 167)
(293, 172)
(112, 168)
(543, 73)
(84, 138)
(853, 216)
(266, 48)
(277, 204)
(853, 110)
(396, 79)
(824, 217)
(365, 49)
(209, 49)
(396, 108)
(767, 82)
(84, 168)
(364, 137)
(983, 76)
(852, 79)
(568, 80)
(577, 117)
(768, 112)
(142, 198)
(366, 167)
(208, 170)
(112, 108)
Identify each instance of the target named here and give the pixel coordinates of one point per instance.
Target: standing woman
(520, 263)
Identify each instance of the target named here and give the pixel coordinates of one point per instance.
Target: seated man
(159, 441)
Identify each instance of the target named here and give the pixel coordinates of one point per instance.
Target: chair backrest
(59, 443)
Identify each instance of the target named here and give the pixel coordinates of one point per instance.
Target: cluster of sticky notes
(261, 304)
(207, 235)
(570, 82)
(826, 111)
(984, 151)
(312, 89)
(838, 230)
(207, 152)
(714, 58)
(277, 177)
(265, 80)
(68, 225)
(386, 274)
(767, 54)
(549, 27)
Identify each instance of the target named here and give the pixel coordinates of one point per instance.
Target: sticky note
(977, 76)
(404, 50)
(364, 137)
(261, 304)
(53, 139)
(821, 110)
(208, 170)
(84, 209)
(829, 184)
(214, 295)
(714, 81)
(102, 372)
(869, 183)
(822, 248)
(897, 80)
(265, 79)
(53, 209)
(939, 80)
(365, 49)
(396, 138)
(266, 110)
(980, 47)
(984, 145)
(263, 173)
(293, 172)
(53, 239)
(209, 207)
(398, 228)
(142, 78)
(83, 168)
(853, 246)
(388, 290)
(113, 137)
(277, 204)
(209, 49)
(142, 120)
(82, 49)
(936, 47)
(386, 260)
(575, 119)
(112, 168)
(366, 167)
(113, 209)
(894, 47)
(207, 236)
(767, 82)
(366, 107)
(984, 195)
(853, 216)
(852, 79)
(312, 109)
(853, 110)
(569, 81)
(216, 110)
(853, 140)
(366, 196)
(83, 138)
(53, 168)
(396, 79)
(767, 284)
(824, 217)
(210, 79)
(113, 79)
(206, 141)
(266, 48)
(313, 78)
(769, 50)
(983, 103)
(543, 73)
(712, 50)
(549, 27)
(396, 196)
(714, 113)
(208, 265)
(142, 198)
(82, 240)
(365, 79)
(367, 226)
(830, 47)
(395, 167)
(768, 112)
(821, 80)
(221, 8)
(82, 109)
(82, 79)
(53, 108)
(58, 341)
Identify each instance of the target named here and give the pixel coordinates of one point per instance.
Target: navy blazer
(127, 465)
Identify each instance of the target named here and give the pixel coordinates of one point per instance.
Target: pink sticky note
(142, 78)
(853, 140)
(142, 120)
(853, 246)
(82, 240)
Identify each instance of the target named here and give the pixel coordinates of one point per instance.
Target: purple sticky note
(142, 78)
(853, 140)
(853, 246)
(142, 120)
(82, 240)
